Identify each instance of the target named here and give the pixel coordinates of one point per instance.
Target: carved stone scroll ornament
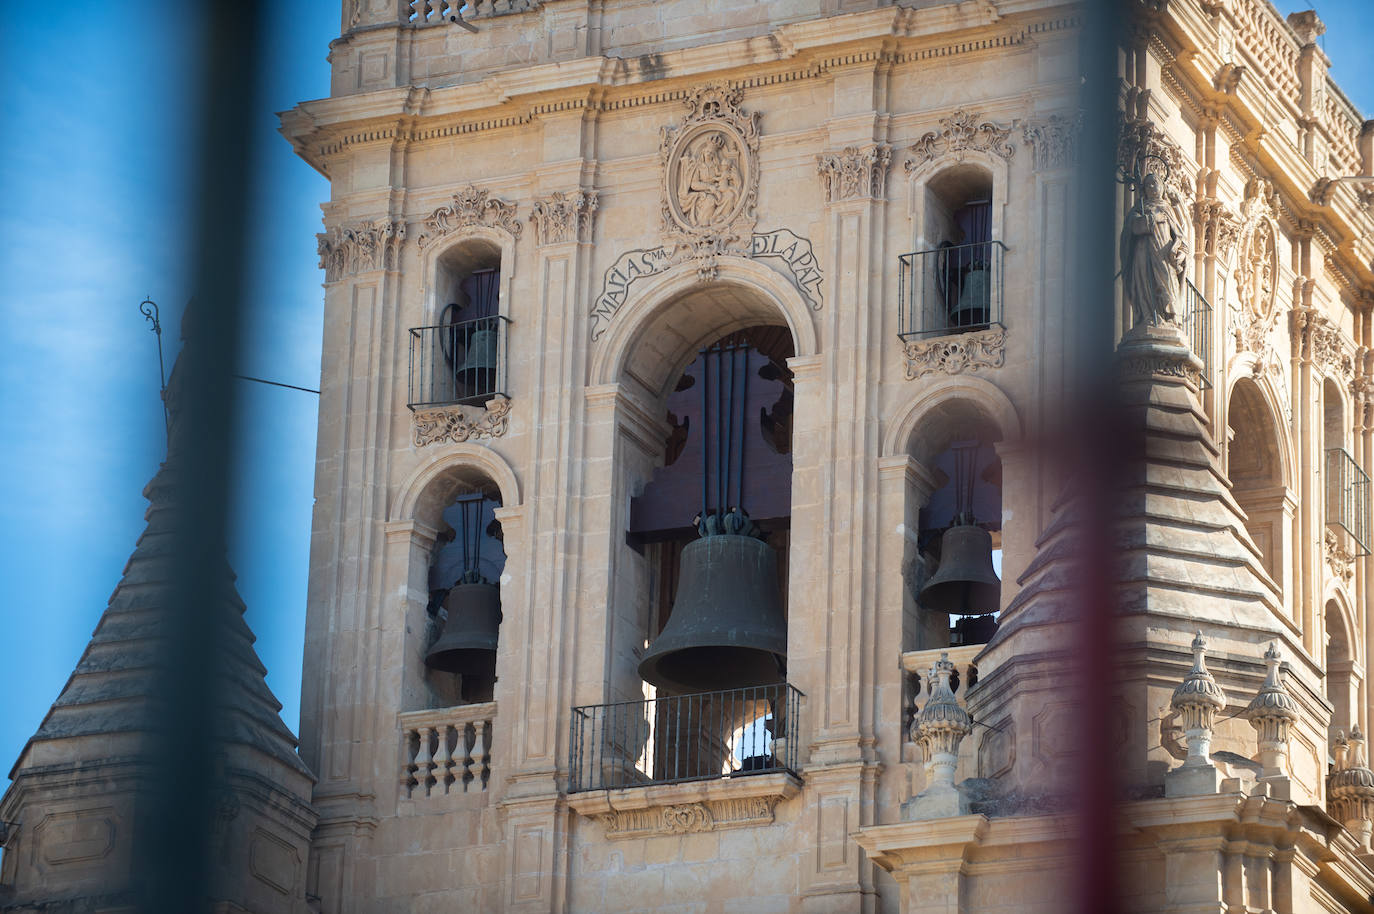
(562, 217)
(955, 354)
(470, 206)
(1054, 141)
(357, 248)
(1340, 560)
(855, 173)
(710, 174)
(960, 133)
(459, 423)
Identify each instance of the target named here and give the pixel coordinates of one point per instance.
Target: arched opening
(698, 634)
(1342, 683)
(1254, 464)
(726, 462)
(953, 284)
(459, 357)
(952, 571)
(454, 661)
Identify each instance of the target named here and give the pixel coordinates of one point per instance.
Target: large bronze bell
(478, 369)
(727, 629)
(965, 583)
(972, 307)
(467, 645)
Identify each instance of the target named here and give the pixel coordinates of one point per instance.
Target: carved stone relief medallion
(1258, 265)
(710, 170)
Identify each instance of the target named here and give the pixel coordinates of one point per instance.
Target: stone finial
(940, 726)
(1197, 701)
(1272, 712)
(1307, 25)
(1351, 788)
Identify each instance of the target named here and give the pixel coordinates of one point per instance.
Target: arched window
(460, 356)
(1254, 464)
(952, 569)
(1342, 682)
(697, 636)
(952, 283)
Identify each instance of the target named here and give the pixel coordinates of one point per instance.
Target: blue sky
(93, 178)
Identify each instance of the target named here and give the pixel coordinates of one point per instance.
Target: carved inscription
(795, 252)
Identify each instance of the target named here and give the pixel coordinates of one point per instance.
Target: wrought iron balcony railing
(951, 289)
(458, 363)
(697, 737)
(1196, 323)
(1347, 497)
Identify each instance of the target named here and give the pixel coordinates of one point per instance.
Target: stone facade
(648, 177)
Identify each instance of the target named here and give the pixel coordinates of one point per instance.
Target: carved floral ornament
(470, 206)
(958, 134)
(562, 217)
(1054, 141)
(710, 170)
(460, 423)
(855, 173)
(360, 247)
(1322, 342)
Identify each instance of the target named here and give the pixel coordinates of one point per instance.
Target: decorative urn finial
(941, 725)
(1197, 701)
(1351, 787)
(1272, 712)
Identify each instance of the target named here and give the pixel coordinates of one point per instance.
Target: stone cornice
(1246, 105)
(323, 128)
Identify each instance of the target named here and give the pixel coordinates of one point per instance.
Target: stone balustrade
(433, 12)
(446, 750)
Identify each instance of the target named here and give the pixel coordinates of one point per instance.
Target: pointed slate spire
(85, 778)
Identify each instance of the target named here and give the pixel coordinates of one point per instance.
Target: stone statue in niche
(1154, 254)
(709, 181)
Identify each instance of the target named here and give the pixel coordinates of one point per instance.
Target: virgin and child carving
(709, 182)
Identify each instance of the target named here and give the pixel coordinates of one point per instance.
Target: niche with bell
(464, 607)
(958, 217)
(713, 521)
(466, 368)
(957, 572)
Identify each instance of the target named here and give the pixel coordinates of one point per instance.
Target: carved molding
(471, 206)
(1340, 560)
(460, 423)
(956, 354)
(1322, 342)
(710, 174)
(855, 173)
(1219, 227)
(960, 133)
(1053, 141)
(360, 247)
(562, 217)
(685, 818)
